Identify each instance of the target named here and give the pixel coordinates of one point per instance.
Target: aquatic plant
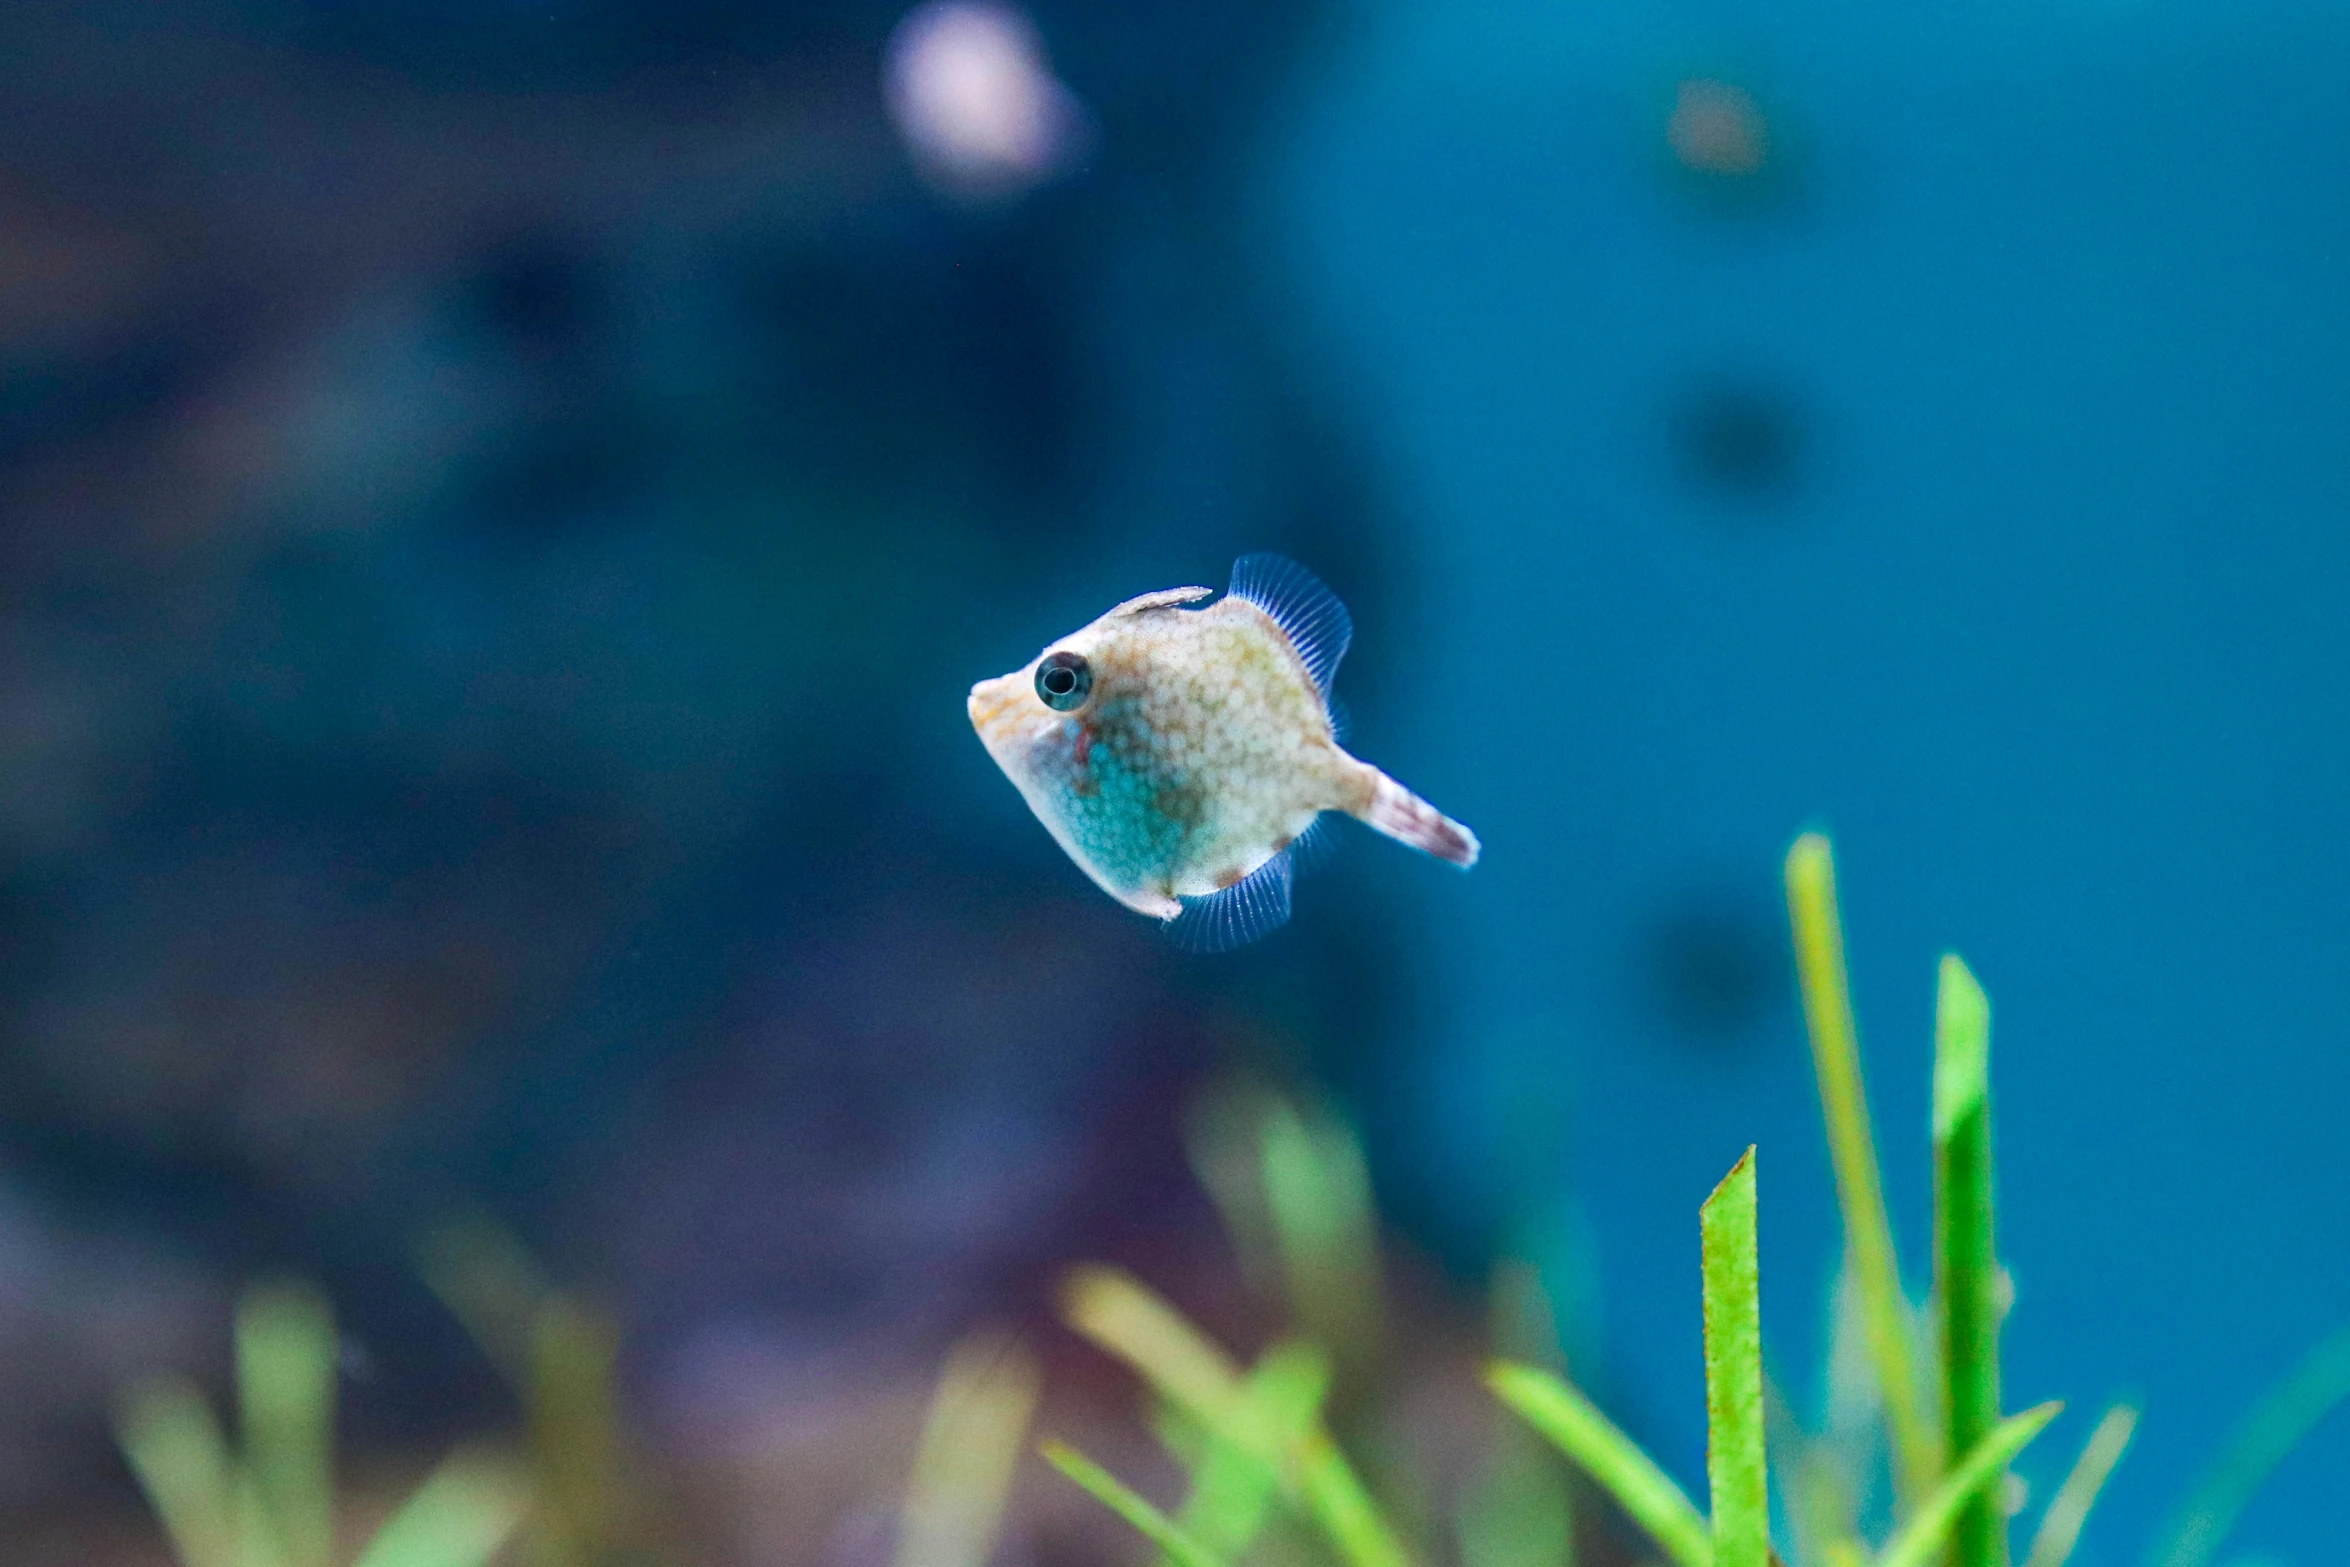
(269, 1498)
(1924, 1378)
(559, 1353)
(1912, 1419)
(954, 1502)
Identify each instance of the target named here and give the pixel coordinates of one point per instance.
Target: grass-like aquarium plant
(268, 1499)
(1906, 1466)
(1934, 1437)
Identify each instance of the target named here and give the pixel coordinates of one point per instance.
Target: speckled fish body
(1194, 746)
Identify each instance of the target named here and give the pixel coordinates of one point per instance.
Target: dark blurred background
(501, 504)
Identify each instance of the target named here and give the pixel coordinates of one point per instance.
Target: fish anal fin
(1251, 907)
(1314, 846)
(1405, 817)
(1317, 624)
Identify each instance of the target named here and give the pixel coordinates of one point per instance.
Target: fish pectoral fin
(1254, 906)
(1317, 624)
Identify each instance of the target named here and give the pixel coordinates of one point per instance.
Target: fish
(1183, 753)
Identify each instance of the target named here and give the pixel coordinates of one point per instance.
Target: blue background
(500, 506)
(2052, 635)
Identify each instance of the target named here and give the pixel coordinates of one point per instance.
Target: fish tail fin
(1405, 817)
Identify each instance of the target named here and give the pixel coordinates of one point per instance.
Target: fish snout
(996, 706)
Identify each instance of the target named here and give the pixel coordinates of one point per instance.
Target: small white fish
(1180, 753)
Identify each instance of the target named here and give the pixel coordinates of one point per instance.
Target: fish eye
(1063, 681)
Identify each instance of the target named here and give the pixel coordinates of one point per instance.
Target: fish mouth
(1001, 708)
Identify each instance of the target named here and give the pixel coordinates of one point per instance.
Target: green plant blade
(1105, 1488)
(488, 1279)
(1232, 1491)
(1522, 1511)
(1868, 1233)
(1739, 1483)
(1921, 1539)
(1182, 1364)
(978, 1423)
(2060, 1523)
(1966, 1265)
(1574, 1425)
(573, 1406)
(1341, 1506)
(1223, 1138)
(286, 1404)
(459, 1517)
(2276, 1425)
(181, 1459)
(1187, 1369)
(1319, 1196)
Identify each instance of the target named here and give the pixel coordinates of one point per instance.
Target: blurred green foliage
(559, 1353)
(1267, 1478)
(1913, 1394)
(268, 1499)
(971, 1443)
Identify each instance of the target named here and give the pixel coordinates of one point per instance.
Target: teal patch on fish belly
(1254, 906)
(1117, 810)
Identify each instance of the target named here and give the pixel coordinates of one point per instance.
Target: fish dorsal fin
(1254, 906)
(1159, 600)
(1318, 625)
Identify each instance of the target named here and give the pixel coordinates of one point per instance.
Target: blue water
(506, 502)
(2030, 586)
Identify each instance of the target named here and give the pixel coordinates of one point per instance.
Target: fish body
(1179, 751)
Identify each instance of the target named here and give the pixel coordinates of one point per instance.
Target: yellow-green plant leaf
(1223, 1136)
(1188, 1369)
(1341, 1506)
(977, 1426)
(1736, 1475)
(573, 1406)
(1154, 1526)
(488, 1279)
(1232, 1490)
(461, 1515)
(175, 1448)
(286, 1405)
(2060, 1522)
(1184, 1365)
(1522, 1511)
(1868, 1233)
(1319, 1196)
(1574, 1425)
(2274, 1428)
(1921, 1539)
